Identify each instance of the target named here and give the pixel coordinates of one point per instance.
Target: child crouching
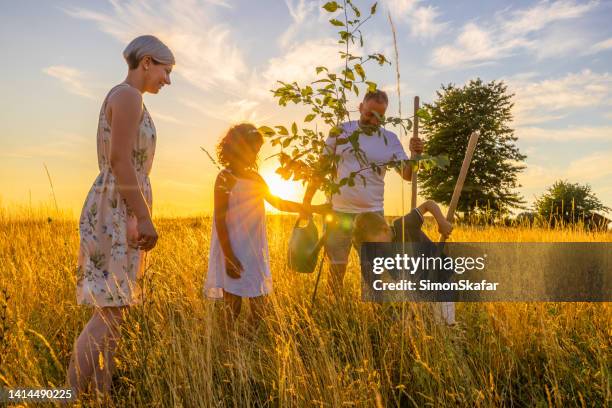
(372, 227)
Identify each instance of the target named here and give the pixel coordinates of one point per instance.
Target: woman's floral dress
(109, 270)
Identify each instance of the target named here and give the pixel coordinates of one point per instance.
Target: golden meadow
(339, 353)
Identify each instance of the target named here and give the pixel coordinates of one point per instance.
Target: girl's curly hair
(233, 146)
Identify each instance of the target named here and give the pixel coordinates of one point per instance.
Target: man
(380, 147)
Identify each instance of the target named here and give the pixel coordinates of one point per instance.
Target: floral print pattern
(109, 269)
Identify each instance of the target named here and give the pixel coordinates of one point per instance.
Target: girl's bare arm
(286, 205)
(223, 186)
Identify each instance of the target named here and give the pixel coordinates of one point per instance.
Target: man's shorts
(340, 237)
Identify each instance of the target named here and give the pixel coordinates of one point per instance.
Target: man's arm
(406, 171)
(416, 146)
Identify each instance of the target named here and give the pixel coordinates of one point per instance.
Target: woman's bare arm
(126, 110)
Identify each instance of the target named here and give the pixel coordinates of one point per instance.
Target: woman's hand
(445, 228)
(147, 235)
(233, 267)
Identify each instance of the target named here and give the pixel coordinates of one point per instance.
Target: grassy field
(339, 354)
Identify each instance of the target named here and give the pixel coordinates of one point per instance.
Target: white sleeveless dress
(246, 224)
(109, 269)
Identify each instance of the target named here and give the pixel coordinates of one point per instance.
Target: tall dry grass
(342, 352)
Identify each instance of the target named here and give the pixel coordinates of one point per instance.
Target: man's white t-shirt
(360, 198)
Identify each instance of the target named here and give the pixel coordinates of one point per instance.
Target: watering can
(304, 246)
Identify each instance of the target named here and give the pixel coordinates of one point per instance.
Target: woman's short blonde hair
(149, 45)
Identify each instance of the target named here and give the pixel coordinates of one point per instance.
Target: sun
(285, 189)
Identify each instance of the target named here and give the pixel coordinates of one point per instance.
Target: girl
(238, 265)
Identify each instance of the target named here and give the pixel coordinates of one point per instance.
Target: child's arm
(444, 227)
(223, 186)
(290, 206)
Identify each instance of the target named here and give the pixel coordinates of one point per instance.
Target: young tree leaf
(331, 6)
(266, 131)
(349, 74)
(371, 86)
(359, 69)
(282, 130)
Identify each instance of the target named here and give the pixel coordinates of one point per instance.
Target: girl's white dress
(246, 224)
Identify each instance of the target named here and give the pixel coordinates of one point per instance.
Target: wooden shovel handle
(467, 159)
(415, 134)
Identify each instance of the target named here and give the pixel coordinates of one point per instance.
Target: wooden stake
(415, 134)
(467, 159)
(447, 309)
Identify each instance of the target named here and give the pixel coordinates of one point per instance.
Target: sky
(60, 58)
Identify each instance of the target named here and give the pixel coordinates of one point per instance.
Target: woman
(115, 225)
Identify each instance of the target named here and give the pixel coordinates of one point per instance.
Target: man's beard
(367, 128)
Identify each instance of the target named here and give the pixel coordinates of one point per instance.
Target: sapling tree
(303, 154)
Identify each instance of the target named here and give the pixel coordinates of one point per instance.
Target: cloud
(206, 53)
(299, 62)
(600, 46)
(552, 99)
(545, 12)
(559, 42)
(596, 166)
(594, 169)
(422, 20)
(72, 78)
(230, 111)
(299, 11)
(474, 46)
(512, 31)
(209, 57)
(565, 134)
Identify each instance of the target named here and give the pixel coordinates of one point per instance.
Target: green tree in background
(448, 123)
(568, 203)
